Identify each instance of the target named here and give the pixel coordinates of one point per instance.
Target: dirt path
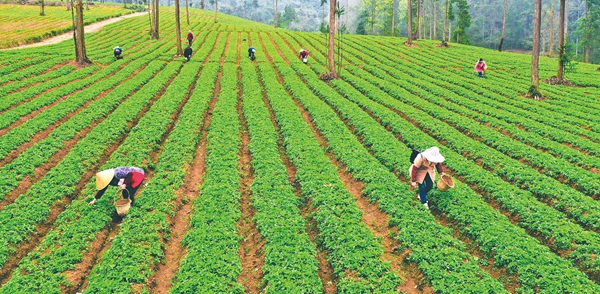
(88, 29)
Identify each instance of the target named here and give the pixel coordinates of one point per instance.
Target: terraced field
(262, 178)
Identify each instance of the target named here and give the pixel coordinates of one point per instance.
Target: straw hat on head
(433, 155)
(103, 178)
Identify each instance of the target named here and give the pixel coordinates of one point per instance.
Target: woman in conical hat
(127, 178)
(422, 172)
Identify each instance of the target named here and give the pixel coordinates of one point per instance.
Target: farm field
(263, 178)
(22, 24)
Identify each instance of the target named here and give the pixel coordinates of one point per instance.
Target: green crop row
(353, 251)
(290, 258)
(212, 264)
(138, 247)
(45, 78)
(43, 269)
(511, 247)
(32, 70)
(433, 248)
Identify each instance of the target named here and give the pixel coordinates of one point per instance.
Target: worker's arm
(98, 195)
(439, 168)
(418, 163)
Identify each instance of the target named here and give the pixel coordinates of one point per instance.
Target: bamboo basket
(123, 205)
(445, 183)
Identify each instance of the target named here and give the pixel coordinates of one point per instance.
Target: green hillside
(260, 177)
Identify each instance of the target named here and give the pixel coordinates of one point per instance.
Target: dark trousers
(190, 43)
(129, 192)
(425, 187)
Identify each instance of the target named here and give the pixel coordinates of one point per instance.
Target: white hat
(433, 155)
(103, 178)
(116, 47)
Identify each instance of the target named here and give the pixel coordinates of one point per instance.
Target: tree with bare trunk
(78, 32)
(435, 19)
(551, 34)
(201, 4)
(330, 52)
(276, 16)
(155, 15)
(216, 9)
(394, 12)
(561, 42)
(178, 29)
(504, 25)
(42, 13)
(534, 90)
(410, 21)
(444, 40)
(418, 22)
(187, 11)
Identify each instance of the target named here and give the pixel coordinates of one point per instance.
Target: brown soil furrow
(34, 113)
(160, 282)
(375, 219)
(60, 205)
(306, 210)
(252, 245)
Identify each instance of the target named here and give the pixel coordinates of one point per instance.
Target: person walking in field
(117, 51)
(187, 53)
(422, 172)
(127, 178)
(190, 37)
(480, 67)
(251, 52)
(303, 55)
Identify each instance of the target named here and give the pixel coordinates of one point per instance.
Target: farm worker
(127, 178)
(422, 172)
(251, 52)
(303, 55)
(190, 37)
(187, 53)
(480, 67)
(118, 51)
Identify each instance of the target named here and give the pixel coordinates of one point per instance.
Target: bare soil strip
(325, 268)
(88, 29)
(160, 282)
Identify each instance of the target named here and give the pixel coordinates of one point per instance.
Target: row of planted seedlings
(41, 152)
(290, 257)
(36, 69)
(211, 263)
(50, 75)
(502, 164)
(352, 250)
(66, 244)
(70, 226)
(109, 78)
(496, 238)
(506, 120)
(548, 224)
(494, 107)
(491, 230)
(432, 247)
(560, 101)
(496, 90)
(560, 167)
(139, 246)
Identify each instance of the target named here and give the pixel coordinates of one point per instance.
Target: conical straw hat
(103, 178)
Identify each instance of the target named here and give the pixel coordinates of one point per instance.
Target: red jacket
(305, 54)
(190, 36)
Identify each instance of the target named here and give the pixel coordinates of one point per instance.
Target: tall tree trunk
(216, 9)
(419, 19)
(42, 13)
(87, 5)
(201, 4)
(394, 11)
(435, 19)
(410, 32)
(551, 37)
(178, 29)
(561, 40)
(534, 90)
(330, 52)
(504, 25)
(155, 19)
(82, 58)
(444, 40)
(276, 16)
(187, 11)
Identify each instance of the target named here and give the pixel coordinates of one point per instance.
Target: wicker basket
(445, 183)
(123, 205)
